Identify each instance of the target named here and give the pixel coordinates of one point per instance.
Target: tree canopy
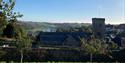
(7, 13)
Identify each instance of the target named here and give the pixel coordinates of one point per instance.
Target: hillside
(45, 26)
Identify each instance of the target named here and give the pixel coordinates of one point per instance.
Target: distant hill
(45, 26)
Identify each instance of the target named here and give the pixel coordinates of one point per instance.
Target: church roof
(61, 36)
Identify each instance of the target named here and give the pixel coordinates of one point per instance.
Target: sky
(71, 11)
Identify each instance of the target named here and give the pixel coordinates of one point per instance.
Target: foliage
(97, 46)
(2, 53)
(86, 29)
(7, 14)
(112, 45)
(94, 46)
(7, 9)
(22, 38)
(23, 41)
(75, 29)
(8, 31)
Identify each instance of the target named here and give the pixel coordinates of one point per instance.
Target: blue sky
(71, 10)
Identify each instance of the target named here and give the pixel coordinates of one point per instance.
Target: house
(61, 38)
(123, 42)
(109, 27)
(120, 39)
(121, 27)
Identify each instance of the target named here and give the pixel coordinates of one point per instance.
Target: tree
(7, 9)
(97, 46)
(86, 29)
(3, 21)
(10, 16)
(23, 40)
(7, 13)
(94, 46)
(8, 31)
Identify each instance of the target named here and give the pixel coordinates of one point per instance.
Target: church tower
(98, 25)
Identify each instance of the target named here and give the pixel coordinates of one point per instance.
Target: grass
(56, 62)
(46, 62)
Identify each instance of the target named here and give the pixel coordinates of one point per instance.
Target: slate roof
(118, 39)
(61, 36)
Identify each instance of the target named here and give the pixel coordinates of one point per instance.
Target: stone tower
(98, 25)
